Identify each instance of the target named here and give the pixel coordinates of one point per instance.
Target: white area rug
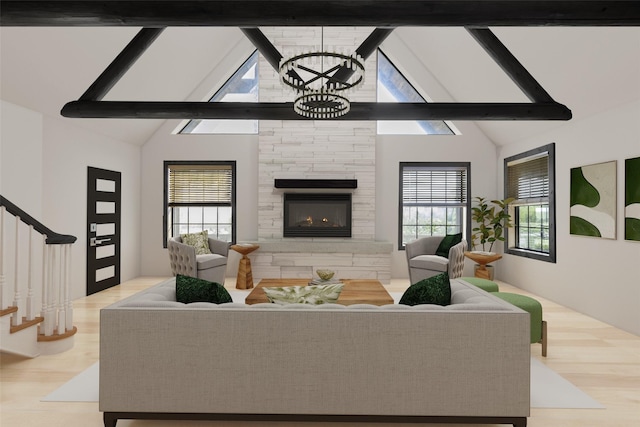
(548, 389)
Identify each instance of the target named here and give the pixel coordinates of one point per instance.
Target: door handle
(95, 242)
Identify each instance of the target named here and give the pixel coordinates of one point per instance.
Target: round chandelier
(321, 81)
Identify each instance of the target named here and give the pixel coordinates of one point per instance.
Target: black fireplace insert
(317, 215)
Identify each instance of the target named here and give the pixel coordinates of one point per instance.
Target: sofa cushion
(207, 261)
(318, 294)
(192, 289)
(433, 290)
(449, 241)
(429, 262)
(200, 241)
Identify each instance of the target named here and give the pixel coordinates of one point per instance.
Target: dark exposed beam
(121, 64)
(284, 111)
(264, 46)
(510, 65)
(375, 13)
(368, 46)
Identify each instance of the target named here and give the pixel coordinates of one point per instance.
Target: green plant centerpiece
(491, 218)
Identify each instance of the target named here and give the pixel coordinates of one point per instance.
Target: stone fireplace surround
(339, 150)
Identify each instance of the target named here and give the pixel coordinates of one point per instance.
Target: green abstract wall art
(593, 200)
(632, 199)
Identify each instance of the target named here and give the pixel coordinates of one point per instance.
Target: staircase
(35, 266)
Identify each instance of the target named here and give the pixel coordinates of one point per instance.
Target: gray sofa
(463, 363)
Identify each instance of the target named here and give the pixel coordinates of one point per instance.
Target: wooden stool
(245, 276)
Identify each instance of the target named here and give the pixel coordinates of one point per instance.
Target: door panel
(103, 229)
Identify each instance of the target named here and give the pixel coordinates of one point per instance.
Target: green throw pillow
(192, 289)
(433, 290)
(316, 294)
(449, 241)
(200, 241)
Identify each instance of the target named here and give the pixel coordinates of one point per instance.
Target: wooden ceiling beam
(510, 65)
(121, 64)
(284, 111)
(375, 13)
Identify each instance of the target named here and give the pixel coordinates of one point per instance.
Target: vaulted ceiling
(588, 68)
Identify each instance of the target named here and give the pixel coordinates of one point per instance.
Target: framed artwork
(593, 200)
(632, 199)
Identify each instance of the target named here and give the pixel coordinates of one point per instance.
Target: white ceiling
(588, 69)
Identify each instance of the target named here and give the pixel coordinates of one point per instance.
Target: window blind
(529, 179)
(426, 186)
(199, 184)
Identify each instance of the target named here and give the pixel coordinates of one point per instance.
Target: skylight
(394, 87)
(242, 86)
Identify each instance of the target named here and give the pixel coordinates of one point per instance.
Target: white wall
(471, 146)
(21, 157)
(167, 146)
(68, 152)
(44, 172)
(598, 277)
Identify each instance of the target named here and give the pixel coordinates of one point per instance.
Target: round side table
(482, 260)
(245, 276)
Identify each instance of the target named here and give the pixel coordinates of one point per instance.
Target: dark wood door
(103, 229)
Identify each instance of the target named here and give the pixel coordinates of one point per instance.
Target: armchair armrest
(456, 260)
(182, 258)
(218, 247)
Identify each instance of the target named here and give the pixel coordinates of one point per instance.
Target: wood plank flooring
(601, 360)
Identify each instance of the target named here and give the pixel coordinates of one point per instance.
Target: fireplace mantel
(317, 183)
(314, 246)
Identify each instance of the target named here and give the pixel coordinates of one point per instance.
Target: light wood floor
(601, 360)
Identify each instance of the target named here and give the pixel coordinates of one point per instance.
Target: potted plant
(491, 218)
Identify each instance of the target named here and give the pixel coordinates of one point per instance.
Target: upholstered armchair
(211, 267)
(423, 261)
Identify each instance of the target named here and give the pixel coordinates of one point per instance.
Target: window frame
(466, 226)
(166, 166)
(510, 236)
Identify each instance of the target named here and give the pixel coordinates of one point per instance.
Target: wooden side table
(482, 260)
(245, 276)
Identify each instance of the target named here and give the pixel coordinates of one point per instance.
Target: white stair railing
(54, 275)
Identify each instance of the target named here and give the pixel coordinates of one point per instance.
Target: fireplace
(317, 215)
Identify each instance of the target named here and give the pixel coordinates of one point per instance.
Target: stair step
(26, 324)
(8, 310)
(56, 336)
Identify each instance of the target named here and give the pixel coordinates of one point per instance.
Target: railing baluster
(44, 283)
(60, 306)
(67, 289)
(30, 302)
(16, 317)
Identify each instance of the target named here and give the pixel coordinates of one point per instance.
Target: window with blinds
(200, 195)
(529, 179)
(434, 200)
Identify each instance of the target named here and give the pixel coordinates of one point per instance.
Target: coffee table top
(355, 291)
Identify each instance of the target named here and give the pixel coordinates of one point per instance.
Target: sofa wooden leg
(110, 420)
(520, 422)
(544, 338)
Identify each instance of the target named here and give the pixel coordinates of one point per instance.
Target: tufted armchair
(423, 262)
(211, 267)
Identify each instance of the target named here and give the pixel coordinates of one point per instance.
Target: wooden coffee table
(355, 291)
